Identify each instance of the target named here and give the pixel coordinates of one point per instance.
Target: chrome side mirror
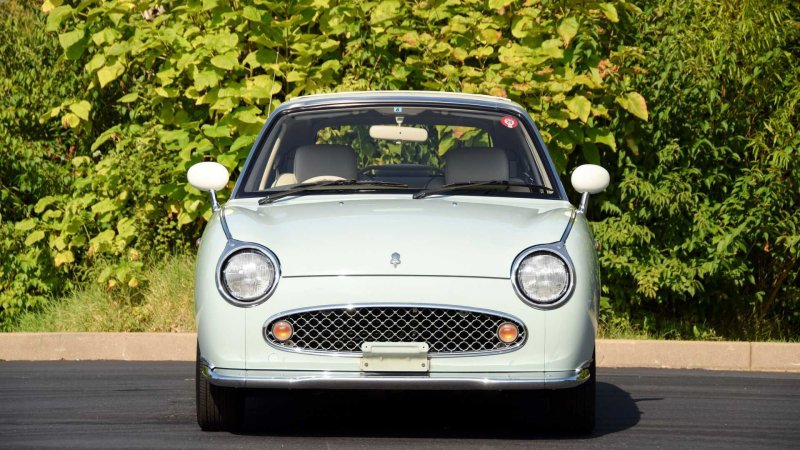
(209, 176)
(589, 179)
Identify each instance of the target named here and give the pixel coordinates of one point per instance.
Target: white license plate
(394, 357)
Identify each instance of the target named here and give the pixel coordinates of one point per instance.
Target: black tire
(573, 410)
(218, 408)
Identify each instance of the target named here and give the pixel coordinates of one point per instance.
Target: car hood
(327, 235)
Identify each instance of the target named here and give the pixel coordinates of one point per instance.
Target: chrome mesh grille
(445, 330)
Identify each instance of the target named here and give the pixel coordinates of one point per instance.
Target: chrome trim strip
(265, 331)
(558, 249)
(356, 275)
(567, 230)
(234, 246)
(224, 223)
(430, 381)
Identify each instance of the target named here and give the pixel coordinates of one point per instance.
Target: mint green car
(397, 240)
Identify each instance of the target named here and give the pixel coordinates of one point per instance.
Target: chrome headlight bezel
(231, 249)
(559, 252)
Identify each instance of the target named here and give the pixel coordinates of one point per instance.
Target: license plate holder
(394, 357)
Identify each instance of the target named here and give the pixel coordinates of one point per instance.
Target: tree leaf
(610, 12)
(102, 240)
(49, 5)
(25, 225)
(81, 109)
(105, 36)
(104, 206)
(226, 61)
(497, 4)
(65, 257)
(252, 14)
(216, 131)
(56, 16)
(521, 26)
(634, 103)
(206, 79)
(70, 120)
(104, 136)
(71, 38)
(295, 76)
(580, 106)
(243, 141)
(225, 105)
(128, 98)
(126, 228)
(249, 115)
(606, 139)
(110, 73)
(43, 203)
(97, 61)
(34, 237)
(591, 153)
(385, 11)
(568, 29)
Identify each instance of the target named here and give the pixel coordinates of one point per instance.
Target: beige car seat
(311, 161)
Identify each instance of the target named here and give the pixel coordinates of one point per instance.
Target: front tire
(218, 408)
(573, 410)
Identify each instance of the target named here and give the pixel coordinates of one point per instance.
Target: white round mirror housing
(590, 179)
(211, 177)
(208, 176)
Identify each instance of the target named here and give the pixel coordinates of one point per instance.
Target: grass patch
(165, 304)
(748, 328)
(623, 328)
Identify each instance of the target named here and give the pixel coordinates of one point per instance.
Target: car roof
(361, 97)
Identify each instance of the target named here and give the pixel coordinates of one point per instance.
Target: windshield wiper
(491, 184)
(324, 185)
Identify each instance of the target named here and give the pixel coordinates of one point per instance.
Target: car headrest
(475, 164)
(325, 159)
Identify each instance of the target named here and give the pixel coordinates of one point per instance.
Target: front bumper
(280, 379)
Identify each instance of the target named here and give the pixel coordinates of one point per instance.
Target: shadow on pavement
(420, 414)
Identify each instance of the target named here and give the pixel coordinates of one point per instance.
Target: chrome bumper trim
(428, 381)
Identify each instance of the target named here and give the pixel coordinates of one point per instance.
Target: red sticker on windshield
(509, 122)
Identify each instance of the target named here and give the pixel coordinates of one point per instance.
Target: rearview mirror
(210, 177)
(398, 133)
(589, 179)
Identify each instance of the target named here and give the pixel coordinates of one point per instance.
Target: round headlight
(248, 275)
(543, 277)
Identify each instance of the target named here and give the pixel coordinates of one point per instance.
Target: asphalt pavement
(114, 404)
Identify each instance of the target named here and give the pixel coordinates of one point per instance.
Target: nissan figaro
(397, 240)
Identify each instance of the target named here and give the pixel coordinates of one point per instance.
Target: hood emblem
(395, 259)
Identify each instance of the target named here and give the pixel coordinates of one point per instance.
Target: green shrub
(163, 87)
(699, 229)
(34, 157)
(701, 223)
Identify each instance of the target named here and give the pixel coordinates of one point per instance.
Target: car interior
(460, 147)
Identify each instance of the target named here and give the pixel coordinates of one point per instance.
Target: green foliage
(34, 159)
(702, 222)
(690, 104)
(156, 88)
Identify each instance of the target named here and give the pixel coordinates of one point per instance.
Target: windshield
(407, 148)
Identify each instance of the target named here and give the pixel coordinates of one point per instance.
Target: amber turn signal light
(282, 330)
(507, 332)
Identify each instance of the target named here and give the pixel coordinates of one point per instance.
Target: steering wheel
(321, 178)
